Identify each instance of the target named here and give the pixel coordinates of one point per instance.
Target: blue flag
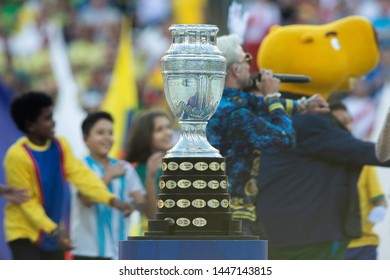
(9, 134)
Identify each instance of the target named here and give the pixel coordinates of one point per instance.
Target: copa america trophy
(193, 199)
(194, 72)
(193, 203)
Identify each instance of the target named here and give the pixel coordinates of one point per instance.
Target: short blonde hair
(229, 45)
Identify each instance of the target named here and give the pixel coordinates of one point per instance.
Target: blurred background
(73, 50)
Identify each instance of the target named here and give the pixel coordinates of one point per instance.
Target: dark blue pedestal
(193, 250)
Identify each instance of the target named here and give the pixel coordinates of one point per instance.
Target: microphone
(284, 78)
(288, 78)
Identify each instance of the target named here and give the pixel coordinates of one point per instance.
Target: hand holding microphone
(268, 84)
(256, 81)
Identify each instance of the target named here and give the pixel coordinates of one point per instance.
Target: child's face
(100, 138)
(162, 134)
(43, 126)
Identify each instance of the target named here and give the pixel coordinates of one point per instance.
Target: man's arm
(272, 133)
(318, 137)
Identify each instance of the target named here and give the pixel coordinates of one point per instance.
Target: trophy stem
(193, 141)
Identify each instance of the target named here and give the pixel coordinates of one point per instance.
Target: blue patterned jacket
(240, 129)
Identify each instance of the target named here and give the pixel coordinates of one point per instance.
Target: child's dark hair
(28, 106)
(93, 118)
(140, 136)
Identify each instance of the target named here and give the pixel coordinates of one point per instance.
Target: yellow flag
(122, 97)
(188, 12)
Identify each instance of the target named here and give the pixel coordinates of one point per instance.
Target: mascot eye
(335, 43)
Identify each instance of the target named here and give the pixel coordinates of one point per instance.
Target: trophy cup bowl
(193, 72)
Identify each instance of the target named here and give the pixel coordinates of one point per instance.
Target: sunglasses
(248, 58)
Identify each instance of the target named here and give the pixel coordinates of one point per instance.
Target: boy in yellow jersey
(43, 164)
(371, 198)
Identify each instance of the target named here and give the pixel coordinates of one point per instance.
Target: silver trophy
(194, 72)
(193, 202)
(193, 199)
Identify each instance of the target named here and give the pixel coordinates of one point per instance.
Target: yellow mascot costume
(308, 200)
(332, 54)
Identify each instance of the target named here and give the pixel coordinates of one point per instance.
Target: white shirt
(96, 230)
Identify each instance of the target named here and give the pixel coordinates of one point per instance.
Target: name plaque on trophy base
(194, 200)
(194, 220)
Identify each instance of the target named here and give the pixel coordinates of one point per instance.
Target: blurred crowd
(91, 31)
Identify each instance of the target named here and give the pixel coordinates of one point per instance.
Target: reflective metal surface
(193, 72)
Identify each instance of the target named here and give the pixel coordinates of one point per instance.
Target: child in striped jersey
(97, 229)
